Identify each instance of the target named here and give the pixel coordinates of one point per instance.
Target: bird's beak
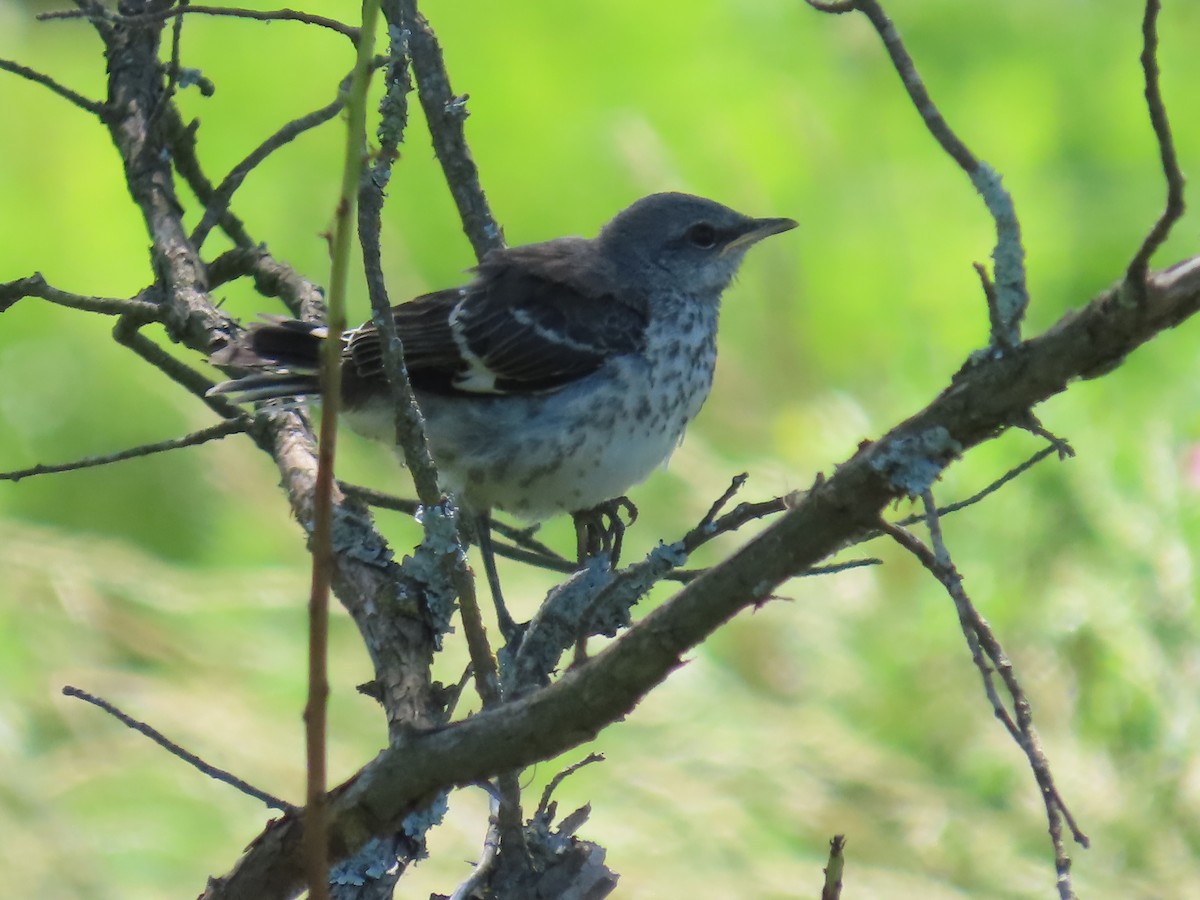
(756, 230)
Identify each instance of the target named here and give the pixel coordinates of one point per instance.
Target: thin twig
(521, 536)
(1135, 275)
(483, 662)
(487, 859)
(1028, 421)
(165, 104)
(272, 278)
(316, 840)
(832, 887)
(225, 190)
(740, 515)
(182, 140)
(1004, 479)
(511, 822)
(552, 786)
(175, 750)
(408, 421)
(445, 113)
(455, 694)
(125, 333)
(35, 286)
(527, 549)
(92, 106)
(1012, 292)
(286, 15)
(212, 433)
(837, 7)
(987, 653)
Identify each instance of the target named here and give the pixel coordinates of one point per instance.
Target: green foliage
(174, 586)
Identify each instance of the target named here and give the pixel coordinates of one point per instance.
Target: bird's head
(679, 241)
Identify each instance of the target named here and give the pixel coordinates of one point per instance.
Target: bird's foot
(601, 529)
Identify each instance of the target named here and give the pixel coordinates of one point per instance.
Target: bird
(560, 376)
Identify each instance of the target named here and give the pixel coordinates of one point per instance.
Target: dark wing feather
(534, 319)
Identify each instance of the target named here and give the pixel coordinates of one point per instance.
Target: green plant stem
(316, 814)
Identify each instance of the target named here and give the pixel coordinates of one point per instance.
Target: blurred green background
(175, 586)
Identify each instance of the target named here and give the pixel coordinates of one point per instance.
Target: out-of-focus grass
(175, 586)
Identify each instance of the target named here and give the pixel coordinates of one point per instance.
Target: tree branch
(982, 402)
(445, 112)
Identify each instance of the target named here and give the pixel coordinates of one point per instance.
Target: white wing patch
(477, 378)
(549, 335)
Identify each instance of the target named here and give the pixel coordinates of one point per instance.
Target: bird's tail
(282, 357)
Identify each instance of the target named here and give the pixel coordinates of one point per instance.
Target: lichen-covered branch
(983, 401)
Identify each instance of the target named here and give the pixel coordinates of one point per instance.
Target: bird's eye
(702, 235)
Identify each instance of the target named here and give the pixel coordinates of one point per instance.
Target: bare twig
(986, 652)
(487, 859)
(740, 515)
(285, 15)
(212, 433)
(735, 485)
(272, 278)
(483, 663)
(92, 106)
(528, 549)
(285, 135)
(182, 140)
(409, 423)
(125, 333)
(316, 839)
(552, 785)
(175, 67)
(175, 750)
(1135, 275)
(514, 848)
(1012, 293)
(832, 888)
(35, 286)
(380, 499)
(445, 112)
(1004, 479)
(836, 7)
(1031, 423)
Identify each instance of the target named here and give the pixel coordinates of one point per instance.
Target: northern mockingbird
(563, 374)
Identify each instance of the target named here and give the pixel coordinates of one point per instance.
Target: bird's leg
(600, 530)
(483, 525)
